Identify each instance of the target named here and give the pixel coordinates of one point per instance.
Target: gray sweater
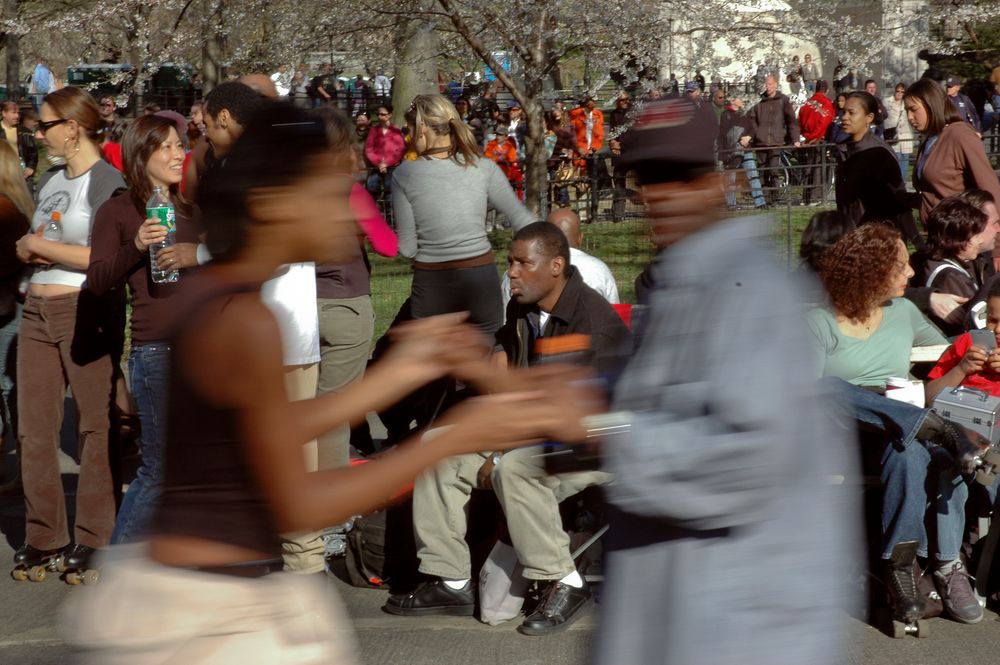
(729, 543)
(440, 208)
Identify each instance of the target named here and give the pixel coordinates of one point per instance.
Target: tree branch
(477, 45)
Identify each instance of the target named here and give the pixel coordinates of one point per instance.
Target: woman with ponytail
(440, 201)
(68, 335)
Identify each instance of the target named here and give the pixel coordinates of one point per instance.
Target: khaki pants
(346, 326)
(143, 612)
(303, 552)
(530, 499)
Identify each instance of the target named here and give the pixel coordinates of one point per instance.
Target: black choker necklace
(435, 151)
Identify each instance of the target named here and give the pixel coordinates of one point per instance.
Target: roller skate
(77, 565)
(34, 564)
(901, 579)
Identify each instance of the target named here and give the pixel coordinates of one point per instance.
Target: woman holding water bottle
(128, 232)
(67, 334)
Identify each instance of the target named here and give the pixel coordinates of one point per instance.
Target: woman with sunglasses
(898, 132)
(384, 148)
(68, 334)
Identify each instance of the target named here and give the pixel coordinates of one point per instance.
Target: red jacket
(384, 147)
(815, 117)
(578, 117)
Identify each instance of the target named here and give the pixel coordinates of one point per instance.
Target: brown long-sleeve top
(957, 161)
(115, 260)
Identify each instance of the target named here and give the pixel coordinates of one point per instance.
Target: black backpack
(381, 550)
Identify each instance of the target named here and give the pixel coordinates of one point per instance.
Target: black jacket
(27, 148)
(733, 126)
(969, 279)
(870, 187)
(967, 110)
(774, 121)
(579, 310)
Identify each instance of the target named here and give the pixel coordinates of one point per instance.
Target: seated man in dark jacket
(548, 299)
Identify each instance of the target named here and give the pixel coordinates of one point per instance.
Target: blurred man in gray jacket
(730, 542)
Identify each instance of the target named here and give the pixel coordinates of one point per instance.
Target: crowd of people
(247, 370)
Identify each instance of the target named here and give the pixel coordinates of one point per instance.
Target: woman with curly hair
(869, 330)
(863, 339)
(957, 233)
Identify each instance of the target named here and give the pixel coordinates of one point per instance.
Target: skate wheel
(59, 565)
(19, 574)
(923, 628)
(73, 578)
(898, 630)
(91, 577)
(37, 574)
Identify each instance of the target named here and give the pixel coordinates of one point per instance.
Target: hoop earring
(67, 140)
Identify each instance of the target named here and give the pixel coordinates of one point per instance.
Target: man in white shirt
(595, 272)
(282, 81)
(383, 88)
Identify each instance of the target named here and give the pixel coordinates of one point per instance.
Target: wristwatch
(495, 458)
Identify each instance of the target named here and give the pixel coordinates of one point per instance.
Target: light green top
(870, 362)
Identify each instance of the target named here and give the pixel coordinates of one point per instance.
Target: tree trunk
(417, 71)
(13, 46)
(213, 49)
(535, 157)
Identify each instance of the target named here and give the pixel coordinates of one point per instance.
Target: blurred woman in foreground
(205, 589)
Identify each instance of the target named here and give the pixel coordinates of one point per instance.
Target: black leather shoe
(433, 598)
(559, 607)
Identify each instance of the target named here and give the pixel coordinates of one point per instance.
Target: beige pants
(530, 499)
(303, 552)
(143, 613)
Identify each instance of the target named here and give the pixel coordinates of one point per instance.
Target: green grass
(625, 247)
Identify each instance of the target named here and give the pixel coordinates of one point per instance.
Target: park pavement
(29, 633)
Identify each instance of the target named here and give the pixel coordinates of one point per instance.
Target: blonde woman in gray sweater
(440, 202)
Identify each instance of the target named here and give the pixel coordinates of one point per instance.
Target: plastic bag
(502, 587)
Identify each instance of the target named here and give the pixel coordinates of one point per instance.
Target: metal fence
(790, 191)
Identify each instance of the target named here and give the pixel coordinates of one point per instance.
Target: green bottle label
(164, 214)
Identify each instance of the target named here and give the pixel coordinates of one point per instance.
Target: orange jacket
(578, 117)
(504, 154)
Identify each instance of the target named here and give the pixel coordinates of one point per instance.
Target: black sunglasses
(46, 126)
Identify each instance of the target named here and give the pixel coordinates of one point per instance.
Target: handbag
(566, 172)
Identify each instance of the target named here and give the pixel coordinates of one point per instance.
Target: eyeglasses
(383, 115)
(46, 126)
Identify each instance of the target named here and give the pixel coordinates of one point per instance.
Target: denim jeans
(149, 370)
(377, 182)
(753, 177)
(903, 158)
(906, 469)
(8, 368)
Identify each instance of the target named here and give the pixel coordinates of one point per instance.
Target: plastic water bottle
(159, 206)
(53, 228)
